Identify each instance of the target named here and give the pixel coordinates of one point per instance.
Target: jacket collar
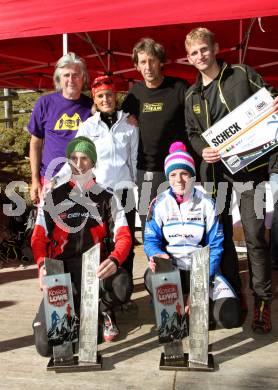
(120, 114)
(74, 183)
(187, 198)
(198, 85)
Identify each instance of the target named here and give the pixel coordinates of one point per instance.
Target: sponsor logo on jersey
(66, 122)
(193, 219)
(153, 107)
(178, 235)
(197, 108)
(58, 295)
(167, 294)
(172, 217)
(195, 210)
(84, 215)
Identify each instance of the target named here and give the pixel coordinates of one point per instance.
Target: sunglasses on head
(101, 82)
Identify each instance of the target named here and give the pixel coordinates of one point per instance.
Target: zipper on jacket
(220, 90)
(207, 113)
(213, 193)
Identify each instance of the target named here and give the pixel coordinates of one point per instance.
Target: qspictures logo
(58, 295)
(167, 294)
(153, 107)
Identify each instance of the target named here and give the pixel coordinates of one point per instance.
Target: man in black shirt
(219, 89)
(158, 104)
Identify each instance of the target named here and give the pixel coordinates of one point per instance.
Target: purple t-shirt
(56, 120)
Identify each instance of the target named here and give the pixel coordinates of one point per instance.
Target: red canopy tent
(104, 34)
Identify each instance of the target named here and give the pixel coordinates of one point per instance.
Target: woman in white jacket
(115, 138)
(116, 141)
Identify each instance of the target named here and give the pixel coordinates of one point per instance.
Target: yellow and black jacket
(236, 83)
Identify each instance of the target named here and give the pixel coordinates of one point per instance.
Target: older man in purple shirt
(56, 119)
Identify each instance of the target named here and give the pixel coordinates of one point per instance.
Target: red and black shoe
(110, 328)
(261, 319)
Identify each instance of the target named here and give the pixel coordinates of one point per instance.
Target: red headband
(102, 83)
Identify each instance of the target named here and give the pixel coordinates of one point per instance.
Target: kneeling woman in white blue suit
(181, 220)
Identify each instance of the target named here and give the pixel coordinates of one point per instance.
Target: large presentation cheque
(246, 133)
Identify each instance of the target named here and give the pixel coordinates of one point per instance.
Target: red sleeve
(119, 230)
(123, 243)
(39, 244)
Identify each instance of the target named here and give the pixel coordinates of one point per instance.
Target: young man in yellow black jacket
(219, 89)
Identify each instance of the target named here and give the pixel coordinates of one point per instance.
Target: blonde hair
(94, 108)
(199, 33)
